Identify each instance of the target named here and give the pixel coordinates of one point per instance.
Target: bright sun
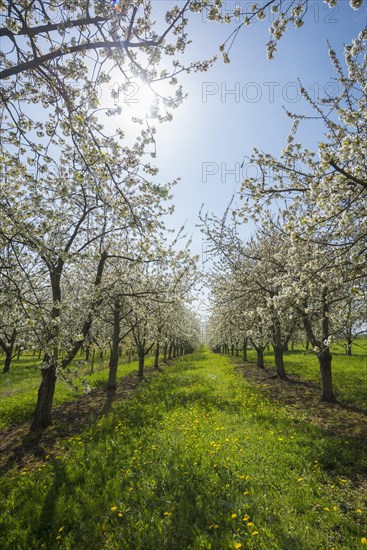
(135, 99)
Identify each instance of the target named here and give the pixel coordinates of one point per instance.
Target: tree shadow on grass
(21, 449)
(343, 426)
(47, 516)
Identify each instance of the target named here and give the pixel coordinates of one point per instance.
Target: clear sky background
(214, 129)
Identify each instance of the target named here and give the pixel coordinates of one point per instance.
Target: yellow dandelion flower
(113, 508)
(167, 514)
(359, 511)
(254, 533)
(238, 545)
(245, 492)
(300, 479)
(246, 517)
(250, 524)
(215, 526)
(233, 516)
(61, 529)
(120, 515)
(363, 540)
(326, 509)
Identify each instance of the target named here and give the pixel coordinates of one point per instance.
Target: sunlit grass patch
(19, 387)
(349, 373)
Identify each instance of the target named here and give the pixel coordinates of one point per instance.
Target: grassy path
(196, 459)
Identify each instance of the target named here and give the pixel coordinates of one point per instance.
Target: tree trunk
(87, 353)
(279, 362)
(141, 362)
(170, 351)
(165, 352)
(92, 365)
(156, 356)
(260, 357)
(245, 350)
(327, 394)
(349, 346)
(324, 356)
(278, 345)
(7, 344)
(42, 415)
(7, 361)
(114, 358)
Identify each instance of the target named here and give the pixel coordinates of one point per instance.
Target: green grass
(19, 387)
(349, 373)
(197, 458)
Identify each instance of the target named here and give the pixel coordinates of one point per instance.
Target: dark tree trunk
(165, 352)
(307, 344)
(87, 353)
(42, 415)
(260, 357)
(114, 358)
(278, 344)
(7, 361)
(156, 356)
(279, 362)
(349, 346)
(141, 362)
(92, 365)
(324, 355)
(245, 350)
(170, 351)
(327, 394)
(7, 344)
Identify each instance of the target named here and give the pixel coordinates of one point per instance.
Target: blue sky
(214, 128)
